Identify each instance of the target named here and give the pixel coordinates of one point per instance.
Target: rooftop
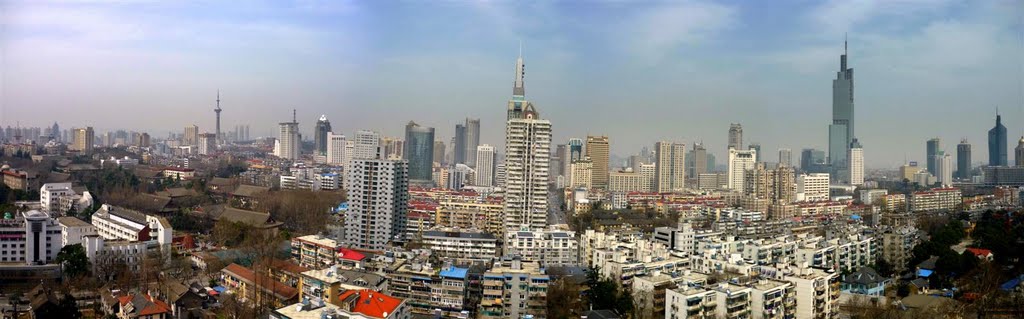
(371, 303)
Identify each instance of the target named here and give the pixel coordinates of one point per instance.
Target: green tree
(73, 260)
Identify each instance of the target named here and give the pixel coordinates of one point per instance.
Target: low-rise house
(865, 281)
(258, 288)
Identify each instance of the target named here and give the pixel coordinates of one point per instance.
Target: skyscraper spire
(217, 110)
(518, 87)
(294, 118)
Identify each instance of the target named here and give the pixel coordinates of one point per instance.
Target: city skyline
(791, 110)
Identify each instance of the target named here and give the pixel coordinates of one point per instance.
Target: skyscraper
(191, 136)
(485, 165)
(366, 145)
(670, 168)
(785, 157)
(289, 141)
(219, 138)
(812, 160)
(856, 162)
(735, 136)
(963, 160)
(1018, 152)
(323, 128)
(756, 147)
(336, 148)
(439, 151)
(527, 148)
(944, 168)
(699, 157)
(419, 151)
(997, 143)
(207, 143)
(598, 151)
(84, 139)
(472, 136)
(378, 197)
(575, 149)
(459, 144)
(581, 174)
(933, 147)
(841, 131)
(739, 162)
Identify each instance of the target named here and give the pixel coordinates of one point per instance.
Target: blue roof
(454, 272)
(855, 217)
(924, 272)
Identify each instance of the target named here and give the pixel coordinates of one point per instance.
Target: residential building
(355, 304)
(936, 199)
(485, 165)
(817, 293)
(697, 160)
(207, 144)
(622, 182)
(944, 168)
(548, 247)
(785, 157)
(74, 230)
(514, 289)
(527, 155)
(85, 139)
(258, 287)
(366, 145)
(461, 245)
(856, 161)
(670, 166)
(289, 142)
(50, 195)
(315, 251)
(191, 136)
(581, 174)
(378, 196)
(330, 283)
(598, 152)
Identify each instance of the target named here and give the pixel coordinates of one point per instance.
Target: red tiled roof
(372, 303)
(349, 254)
(980, 251)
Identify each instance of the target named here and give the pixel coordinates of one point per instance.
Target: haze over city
(663, 70)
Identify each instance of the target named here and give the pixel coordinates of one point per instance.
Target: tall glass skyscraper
(840, 132)
(419, 151)
(963, 159)
(932, 151)
(323, 126)
(997, 143)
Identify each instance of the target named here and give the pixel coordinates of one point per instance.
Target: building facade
(670, 166)
(598, 152)
(378, 196)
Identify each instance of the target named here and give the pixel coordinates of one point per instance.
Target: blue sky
(637, 71)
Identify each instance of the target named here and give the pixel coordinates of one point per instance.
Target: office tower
(739, 162)
(459, 144)
(289, 141)
(997, 143)
(856, 161)
(419, 151)
(735, 136)
(54, 131)
(785, 157)
(756, 147)
(841, 131)
(944, 168)
(527, 148)
(963, 159)
(207, 143)
(144, 140)
(391, 148)
(485, 165)
(812, 187)
(699, 157)
(575, 149)
(933, 147)
(597, 150)
(191, 136)
(458, 177)
(560, 161)
(472, 136)
(812, 160)
(247, 137)
(1018, 152)
(336, 148)
(439, 152)
(712, 163)
(218, 138)
(323, 128)
(84, 139)
(650, 172)
(378, 196)
(670, 166)
(581, 174)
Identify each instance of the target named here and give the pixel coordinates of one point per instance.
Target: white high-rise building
(785, 157)
(945, 168)
(527, 156)
(289, 139)
(50, 195)
(485, 165)
(649, 171)
(378, 196)
(739, 162)
(857, 163)
(350, 147)
(336, 147)
(366, 145)
(581, 173)
(812, 187)
(670, 166)
(207, 143)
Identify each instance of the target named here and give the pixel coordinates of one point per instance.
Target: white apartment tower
(336, 147)
(670, 166)
(485, 165)
(289, 139)
(812, 187)
(378, 195)
(740, 161)
(857, 163)
(366, 145)
(945, 168)
(527, 156)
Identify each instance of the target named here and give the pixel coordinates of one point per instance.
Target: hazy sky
(635, 71)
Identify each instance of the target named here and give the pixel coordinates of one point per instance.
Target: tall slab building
(598, 151)
(670, 168)
(841, 131)
(527, 156)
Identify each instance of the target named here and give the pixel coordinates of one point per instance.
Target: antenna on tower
(293, 117)
(218, 98)
(846, 36)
